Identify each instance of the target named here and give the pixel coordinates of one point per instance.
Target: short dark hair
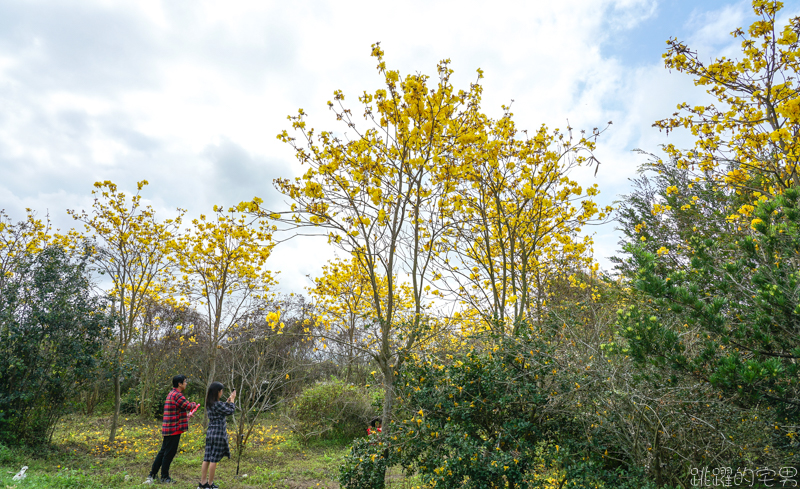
(178, 380)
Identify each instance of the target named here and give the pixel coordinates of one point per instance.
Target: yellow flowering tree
(222, 260)
(131, 248)
(376, 191)
(751, 139)
(20, 239)
(343, 301)
(517, 216)
(342, 298)
(166, 335)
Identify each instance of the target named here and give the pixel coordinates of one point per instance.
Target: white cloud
(712, 29)
(190, 95)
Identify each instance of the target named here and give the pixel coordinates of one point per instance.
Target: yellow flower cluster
(141, 440)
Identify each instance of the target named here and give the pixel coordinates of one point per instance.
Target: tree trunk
(143, 395)
(659, 477)
(92, 397)
(388, 400)
(388, 404)
(349, 355)
(212, 371)
(117, 393)
(212, 366)
(115, 418)
(239, 449)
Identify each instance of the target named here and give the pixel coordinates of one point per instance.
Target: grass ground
(81, 457)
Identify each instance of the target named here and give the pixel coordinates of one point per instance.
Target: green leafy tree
(709, 321)
(51, 333)
(712, 240)
(725, 310)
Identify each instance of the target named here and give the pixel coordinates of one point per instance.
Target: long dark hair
(213, 393)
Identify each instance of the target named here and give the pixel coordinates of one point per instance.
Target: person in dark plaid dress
(216, 434)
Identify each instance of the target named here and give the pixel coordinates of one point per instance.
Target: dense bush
(364, 467)
(6, 455)
(479, 418)
(490, 417)
(154, 403)
(332, 410)
(51, 332)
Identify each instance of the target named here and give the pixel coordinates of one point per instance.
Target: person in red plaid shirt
(177, 411)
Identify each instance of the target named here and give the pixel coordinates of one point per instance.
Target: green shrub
(6, 455)
(332, 410)
(129, 403)
(479, 419)
(51, 332)
(364, 467)
(377, 396)
(491, 418)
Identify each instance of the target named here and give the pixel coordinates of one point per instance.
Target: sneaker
(213, 486)
(203, 486)
(167, 480)
(149, 480)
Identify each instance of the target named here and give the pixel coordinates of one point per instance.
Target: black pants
(169, 447)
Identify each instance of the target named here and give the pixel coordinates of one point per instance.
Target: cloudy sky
(190, 95)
